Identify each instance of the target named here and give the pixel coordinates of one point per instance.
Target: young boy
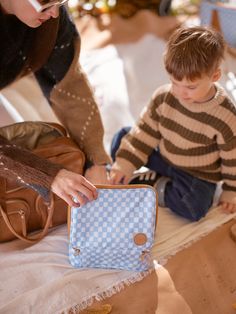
(187, 133)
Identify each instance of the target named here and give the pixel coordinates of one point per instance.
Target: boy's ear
(216, 75)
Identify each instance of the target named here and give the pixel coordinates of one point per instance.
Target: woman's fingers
(68, 199)
(69, 186)
(86, 188)
(82, 196)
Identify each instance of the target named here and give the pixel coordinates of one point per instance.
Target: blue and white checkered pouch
(115, 231)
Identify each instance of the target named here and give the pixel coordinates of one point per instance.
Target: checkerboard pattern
(102, 231)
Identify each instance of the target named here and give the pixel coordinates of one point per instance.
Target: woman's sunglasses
(43, 7)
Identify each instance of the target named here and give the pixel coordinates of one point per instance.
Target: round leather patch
(140, 238)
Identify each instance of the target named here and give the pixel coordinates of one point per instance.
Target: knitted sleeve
(61, 56)
(228, 169)
(70, 95)
(139, 143)
(28, 169)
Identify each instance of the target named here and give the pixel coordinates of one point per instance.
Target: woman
(39, 37)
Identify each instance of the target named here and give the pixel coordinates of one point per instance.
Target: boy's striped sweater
(197, 138)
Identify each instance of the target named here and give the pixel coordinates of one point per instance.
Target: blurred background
(122, 46)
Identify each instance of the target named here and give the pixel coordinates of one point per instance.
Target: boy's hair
(193, 52)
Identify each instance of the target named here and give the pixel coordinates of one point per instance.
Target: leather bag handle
(32, 239)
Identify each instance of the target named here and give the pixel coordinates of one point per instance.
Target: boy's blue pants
(185, 194)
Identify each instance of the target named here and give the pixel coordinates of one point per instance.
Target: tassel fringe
(107, 293)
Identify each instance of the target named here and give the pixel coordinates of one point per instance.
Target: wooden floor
(200, 279)
(205, 273)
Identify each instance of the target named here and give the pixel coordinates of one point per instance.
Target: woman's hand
(228, 208)
(69, 186)
(97, 175)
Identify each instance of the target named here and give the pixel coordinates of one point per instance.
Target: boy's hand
(228, 208)
(97, 175)
(118, 177)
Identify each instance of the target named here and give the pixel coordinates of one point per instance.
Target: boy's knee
(197, 209)
(198, 200)
(190, 213)
(189, 208)
(197, 215)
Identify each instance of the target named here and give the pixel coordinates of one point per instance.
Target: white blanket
(39, 278)
(175, 233)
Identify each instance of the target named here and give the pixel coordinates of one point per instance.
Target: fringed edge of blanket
(115, 288)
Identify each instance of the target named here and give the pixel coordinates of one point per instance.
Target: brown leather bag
(22, 210)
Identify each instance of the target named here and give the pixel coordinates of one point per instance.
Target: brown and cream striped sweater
(197, 138)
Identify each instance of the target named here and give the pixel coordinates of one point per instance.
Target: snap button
(140, 238)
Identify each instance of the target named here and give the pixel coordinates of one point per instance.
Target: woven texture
(103, 232)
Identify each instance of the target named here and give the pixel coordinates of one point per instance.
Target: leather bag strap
(29, 239)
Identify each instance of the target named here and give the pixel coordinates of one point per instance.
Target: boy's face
(197, 91)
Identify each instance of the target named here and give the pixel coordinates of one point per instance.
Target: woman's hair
(193, 51)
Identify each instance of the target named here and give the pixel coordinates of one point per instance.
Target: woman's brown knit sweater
(51, 53)
(197, 138)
